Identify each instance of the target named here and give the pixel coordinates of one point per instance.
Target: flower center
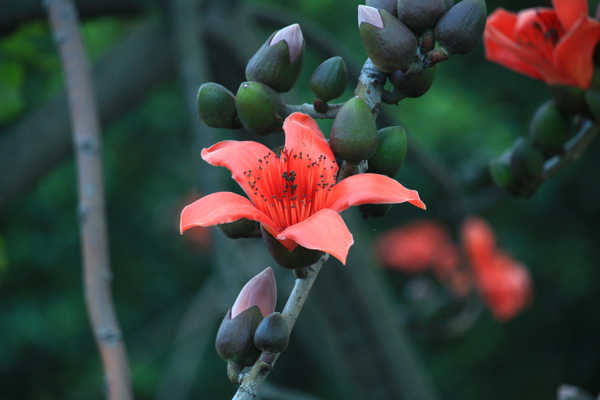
(541, 34)
(290, 187)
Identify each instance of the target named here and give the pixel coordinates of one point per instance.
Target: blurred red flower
(504, 283)
(554, 45)
(415, 247)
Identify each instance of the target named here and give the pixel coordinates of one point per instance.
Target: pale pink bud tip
(293, 36)
(260, 291)
(370, 15)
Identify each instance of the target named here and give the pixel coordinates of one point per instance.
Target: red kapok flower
(554, 45)
(294, 196)
(504, 283)
(412, 248)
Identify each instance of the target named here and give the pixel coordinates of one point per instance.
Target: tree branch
(87, 143)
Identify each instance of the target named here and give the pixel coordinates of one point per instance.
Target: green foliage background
(473, 112)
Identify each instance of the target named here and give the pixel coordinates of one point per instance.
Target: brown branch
(87, 143)
(37, 144)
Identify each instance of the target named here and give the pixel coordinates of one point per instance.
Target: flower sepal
(260, 108)
(235, 338)
(390, 153)
(570, 99)
(388, 42)
(216, 106)
(353, 136)
(278, 62)
(272, 334)
(460, 29)
(298, 258)
(242, 228)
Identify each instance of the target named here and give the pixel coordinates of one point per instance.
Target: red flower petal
(302, 135)
(370, 189)
(479, 241)
(574, 53)
(238, 157)
(325, 230)
(569, 11)
(220, 208)
(538, 30)
(500, 30)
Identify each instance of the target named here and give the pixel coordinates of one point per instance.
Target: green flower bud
(391, 150)
(260, 109)
(329, 80)
(549, 128)
(460, 29)
(279, 61)
(273, 334)
(388, 42)
(387, 5)
(502, 175)
(216, 106)
(298, 258)
(413, 85)
(353, 136)
(570, 99)
(242, 228)
(420, 15)
(526, 162)
(235, 338)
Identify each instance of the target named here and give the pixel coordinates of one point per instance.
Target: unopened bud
(300, 257)
(242, 228)
(526, 162)
(279, 61)
(216, 106)
(260, 109)
(353, 136)
(388, 42)
(391, 150)
(460, 29)
(272, 334)
(329, 80)
(549, 127)
(420, 15)
(413, 85)
(502, 175)
(235, 338)
(390, 6)
(260, 291)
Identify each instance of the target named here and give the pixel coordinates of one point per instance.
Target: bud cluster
(400, 37)
(520, 170)
(251, 326)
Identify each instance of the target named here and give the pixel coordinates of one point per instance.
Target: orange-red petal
(238, 157)
(569, 11)
(499, 32)
(325, 230)
(221, 208)
(574, 53)
(370, 189)
(302, 135)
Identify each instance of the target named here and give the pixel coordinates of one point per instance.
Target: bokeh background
(360, 336)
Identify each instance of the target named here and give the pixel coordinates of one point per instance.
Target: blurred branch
(87, 144)
(573, 149)
(123, 78)
(251, 381)
(309, 109)
(15, 13)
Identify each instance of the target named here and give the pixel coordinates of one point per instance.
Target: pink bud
(369, 15)
(293, 36)
(260, 291)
